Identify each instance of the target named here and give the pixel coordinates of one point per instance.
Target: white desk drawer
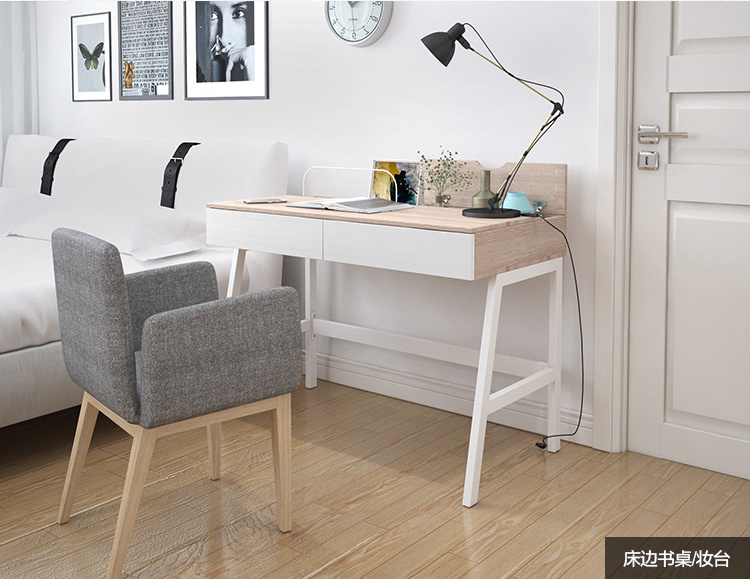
(424, 251)
(295, 236)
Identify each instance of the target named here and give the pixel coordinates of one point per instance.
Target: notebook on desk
(354, 204)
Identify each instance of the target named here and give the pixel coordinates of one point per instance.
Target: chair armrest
(218, 355)
(168, 288)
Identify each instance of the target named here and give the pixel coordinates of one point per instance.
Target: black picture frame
(91, 57)
(146, 50)
(215, 70)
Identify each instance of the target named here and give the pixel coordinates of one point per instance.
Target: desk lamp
(442, 45)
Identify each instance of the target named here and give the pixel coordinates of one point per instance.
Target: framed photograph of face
(226, 50)
(405, 180)
(91, 51)
(145, 50)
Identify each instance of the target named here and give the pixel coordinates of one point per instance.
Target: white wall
(339, 105)
(18, 79)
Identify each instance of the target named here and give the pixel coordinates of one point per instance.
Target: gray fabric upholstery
(219, 355)
(94, 317)
(198, 355)
(168, 288)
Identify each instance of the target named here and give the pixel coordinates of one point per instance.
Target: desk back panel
(540, 181)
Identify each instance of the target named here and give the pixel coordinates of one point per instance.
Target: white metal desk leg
(555, 356)
(311, 305)
(482, 394)
(235, 273)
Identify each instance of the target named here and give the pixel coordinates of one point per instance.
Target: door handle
(650, 135)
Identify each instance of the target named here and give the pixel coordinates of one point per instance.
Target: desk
(442, 243)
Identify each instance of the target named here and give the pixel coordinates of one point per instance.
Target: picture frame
(226, 62)
(145, 38)
(406, 174)
(91, 57)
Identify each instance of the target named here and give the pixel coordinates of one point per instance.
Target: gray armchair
(159, 353)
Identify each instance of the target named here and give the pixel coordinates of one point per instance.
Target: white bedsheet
(28, 306)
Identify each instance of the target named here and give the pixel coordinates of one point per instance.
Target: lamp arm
(557, 111)
(496, 63)
(523, 82)
(500, 195)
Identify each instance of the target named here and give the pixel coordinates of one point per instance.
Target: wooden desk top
(419, 217)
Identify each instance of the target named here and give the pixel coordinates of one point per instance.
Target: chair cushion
(219, 355)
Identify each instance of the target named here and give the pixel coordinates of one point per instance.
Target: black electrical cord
(543, 443)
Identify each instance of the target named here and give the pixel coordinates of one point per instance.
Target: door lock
(648, 160)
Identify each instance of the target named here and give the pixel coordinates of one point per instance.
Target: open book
(353, 204)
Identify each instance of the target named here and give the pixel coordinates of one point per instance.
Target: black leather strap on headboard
(48, 173)
(171, 172)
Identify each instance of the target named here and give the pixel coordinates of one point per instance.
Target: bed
(111, 188)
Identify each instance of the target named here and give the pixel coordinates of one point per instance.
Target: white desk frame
(254, 228)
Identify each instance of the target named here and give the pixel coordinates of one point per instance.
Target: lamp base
(485, 213)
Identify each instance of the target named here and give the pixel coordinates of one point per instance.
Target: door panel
(689, 367)
(708, 317)
(708, 183)
(718, 73)
(705, 27)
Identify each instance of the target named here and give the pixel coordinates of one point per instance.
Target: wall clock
(358, 23)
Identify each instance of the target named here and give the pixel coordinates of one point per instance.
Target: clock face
(358, 23)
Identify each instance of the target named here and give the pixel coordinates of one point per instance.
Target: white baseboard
(524, 415)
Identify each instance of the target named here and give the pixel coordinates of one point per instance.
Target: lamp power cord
(543, 443)
(557, 112)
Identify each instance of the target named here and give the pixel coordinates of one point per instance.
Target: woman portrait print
(225, 43)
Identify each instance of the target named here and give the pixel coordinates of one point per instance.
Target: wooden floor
(377, 493)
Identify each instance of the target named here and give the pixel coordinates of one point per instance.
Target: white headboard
(101, 169)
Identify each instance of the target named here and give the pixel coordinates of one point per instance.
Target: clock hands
(354, 20)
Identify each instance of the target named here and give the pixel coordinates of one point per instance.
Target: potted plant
(443, 173)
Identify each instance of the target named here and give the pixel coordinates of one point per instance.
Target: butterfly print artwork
(91, 58)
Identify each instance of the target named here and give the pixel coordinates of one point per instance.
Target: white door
(689, 365)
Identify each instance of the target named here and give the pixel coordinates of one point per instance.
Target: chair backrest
(94, 313)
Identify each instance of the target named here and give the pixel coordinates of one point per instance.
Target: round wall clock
(358, 23)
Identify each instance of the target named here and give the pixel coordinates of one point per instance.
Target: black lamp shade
(443, 44)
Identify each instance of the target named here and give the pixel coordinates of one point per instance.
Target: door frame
(613, 201)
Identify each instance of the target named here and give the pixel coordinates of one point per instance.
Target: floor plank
(377, 486)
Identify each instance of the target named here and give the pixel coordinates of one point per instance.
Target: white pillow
(18, 206)
(161, 232)
(146, 234)
(102, 222)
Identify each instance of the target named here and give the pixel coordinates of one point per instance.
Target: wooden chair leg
(281, 439)
(140, 458)
(214, 450)
(84, 431)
